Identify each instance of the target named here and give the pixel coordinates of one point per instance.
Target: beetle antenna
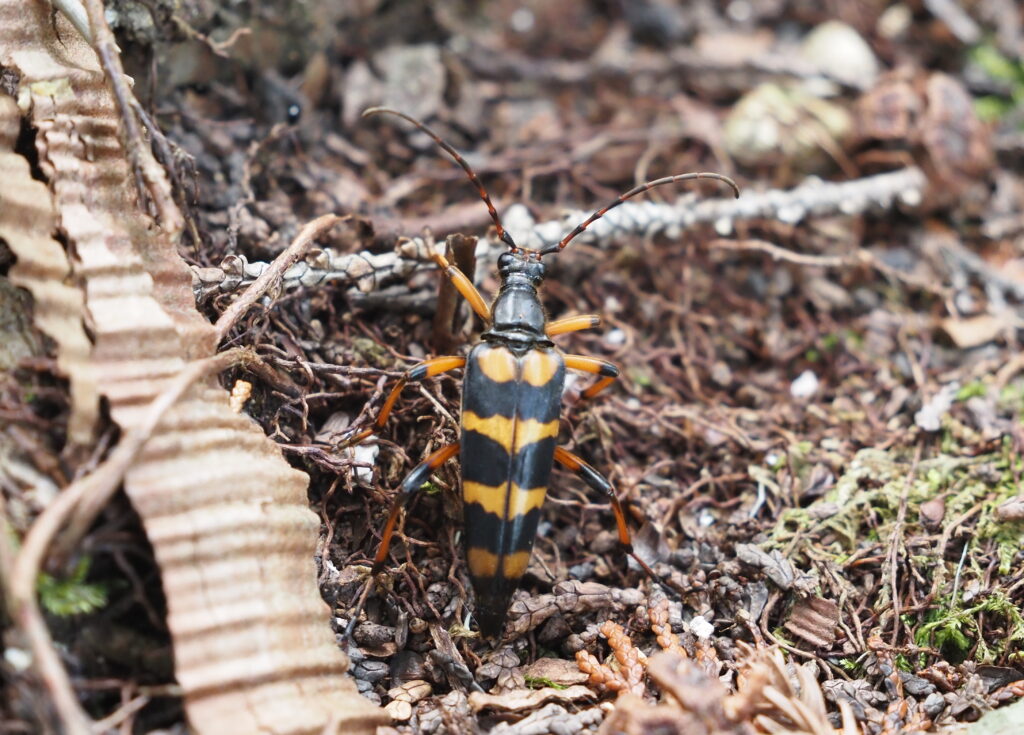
(632, 193)
(503, 234)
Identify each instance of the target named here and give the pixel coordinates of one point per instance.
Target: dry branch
(813, 198)
(153, 178)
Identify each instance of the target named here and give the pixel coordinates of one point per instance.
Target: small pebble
(701, 627)
(805, 386)
(398, 711)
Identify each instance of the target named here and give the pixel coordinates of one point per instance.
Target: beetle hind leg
(409, 487)
(597, 481)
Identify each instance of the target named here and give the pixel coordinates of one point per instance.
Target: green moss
(640, 377)
(850, 665)
(539, 682)
(956, 630)
(971, 390)
(903, 663)
(73, 595)
(1000, 68)
(854, 340)
(1011, 398)
(861, 512)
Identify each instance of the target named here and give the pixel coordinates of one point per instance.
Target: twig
(275, 272)
(957, 254)
(139, 153)
(896, 543)
(779, 253)
(93, 490)
(699, 67)
(122, 714)
(860, 257)
(956, 20)
(959, 568)
(461, 251)
(363, 271)
(812, 198)
(1008, 371)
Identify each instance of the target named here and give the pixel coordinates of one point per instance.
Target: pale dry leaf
(974, 331)
(1011, 510)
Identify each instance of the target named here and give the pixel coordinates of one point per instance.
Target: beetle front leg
(465, 287)
(422, 371)
(607, 371)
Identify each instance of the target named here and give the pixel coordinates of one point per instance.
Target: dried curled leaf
(768, 697)
(227, 517)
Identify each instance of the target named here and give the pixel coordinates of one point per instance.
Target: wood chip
(527, 699)
(973, 331)
(814, 620)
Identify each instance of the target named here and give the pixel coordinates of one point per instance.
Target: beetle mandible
(511, 401)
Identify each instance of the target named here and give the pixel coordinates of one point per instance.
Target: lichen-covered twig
(812, 198)
(364, 271)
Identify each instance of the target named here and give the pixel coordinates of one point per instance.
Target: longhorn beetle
(511, 400)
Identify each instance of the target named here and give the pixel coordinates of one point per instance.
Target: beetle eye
(505, 260)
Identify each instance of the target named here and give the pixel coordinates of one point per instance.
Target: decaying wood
(27, 223)
(227, 517)
(97, 487)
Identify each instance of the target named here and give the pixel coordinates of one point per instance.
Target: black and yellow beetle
(511, 401)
